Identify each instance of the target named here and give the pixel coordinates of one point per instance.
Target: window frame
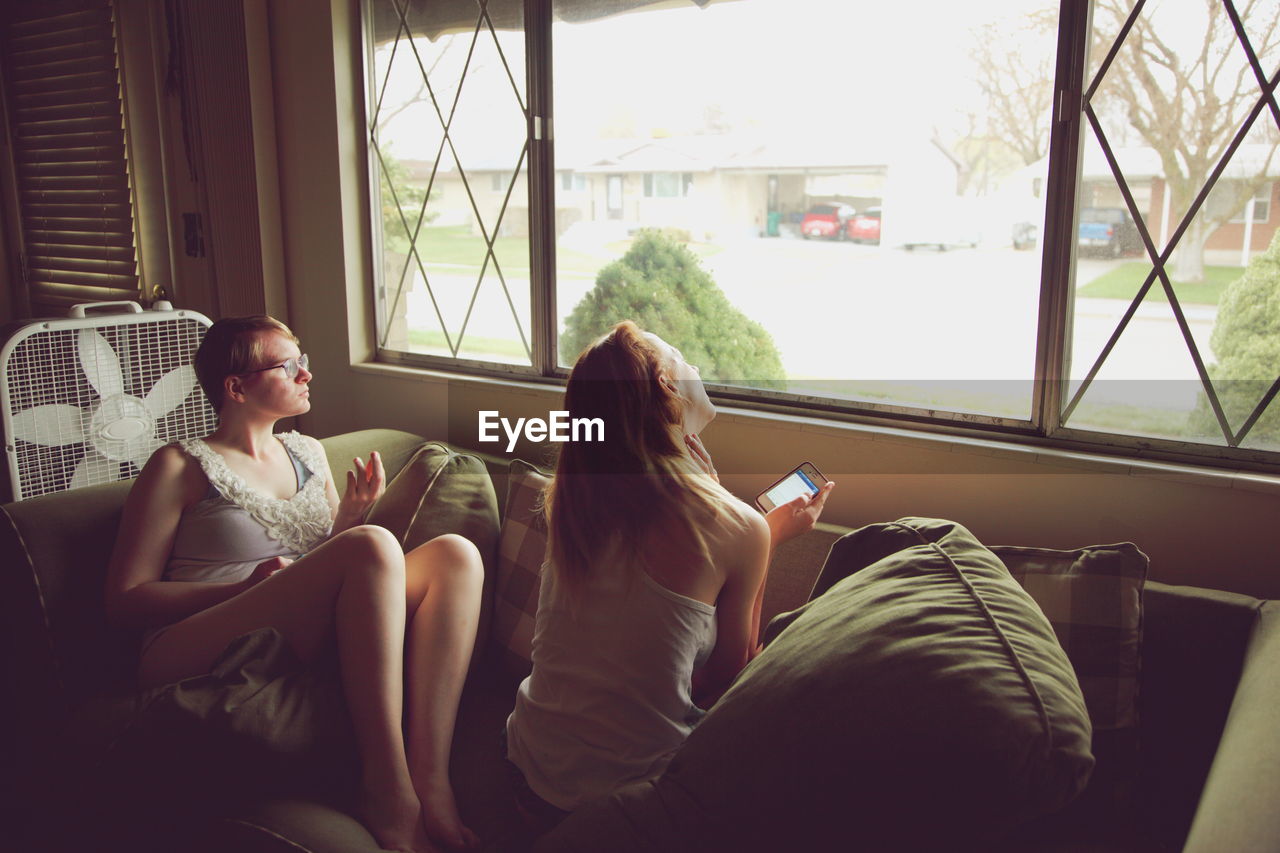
(1050, 383)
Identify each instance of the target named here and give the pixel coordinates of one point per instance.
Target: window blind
(66, 126)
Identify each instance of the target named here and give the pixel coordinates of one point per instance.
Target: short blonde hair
(231, 346)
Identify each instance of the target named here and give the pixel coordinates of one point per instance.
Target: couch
(1207, 774)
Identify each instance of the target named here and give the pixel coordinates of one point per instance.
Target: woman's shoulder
(741, 513)
(171, 459)
(741, 529)
(173, 469)
(308, 448)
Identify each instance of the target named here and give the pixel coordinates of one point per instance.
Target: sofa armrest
(1237, 809)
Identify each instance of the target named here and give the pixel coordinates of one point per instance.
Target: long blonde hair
(610, 494)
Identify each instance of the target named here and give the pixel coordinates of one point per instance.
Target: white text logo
(558, 427)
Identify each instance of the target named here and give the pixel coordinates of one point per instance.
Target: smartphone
(803, 480)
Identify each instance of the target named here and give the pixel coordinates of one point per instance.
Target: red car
(830, 221)
(864, 227)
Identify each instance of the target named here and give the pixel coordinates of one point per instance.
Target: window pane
(837, 212)
(1196, 367)
(446, 196)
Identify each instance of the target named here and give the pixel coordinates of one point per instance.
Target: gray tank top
(227, 533)
(609, 701)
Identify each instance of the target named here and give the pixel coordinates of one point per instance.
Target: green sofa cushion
(919, 701)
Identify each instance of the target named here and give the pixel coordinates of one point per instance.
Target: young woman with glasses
(244, 529)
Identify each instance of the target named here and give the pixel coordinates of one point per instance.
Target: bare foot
(394, 819)
(441, 820)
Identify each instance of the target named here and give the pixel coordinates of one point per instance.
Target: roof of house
(1141, 162)
(692, 153)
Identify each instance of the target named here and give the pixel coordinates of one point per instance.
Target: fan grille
(44, 369)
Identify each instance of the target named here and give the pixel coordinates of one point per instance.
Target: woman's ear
(233, 388)
(665, 380)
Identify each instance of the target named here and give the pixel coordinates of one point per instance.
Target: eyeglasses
(289, 366)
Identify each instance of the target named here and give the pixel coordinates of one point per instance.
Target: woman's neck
(252, 438)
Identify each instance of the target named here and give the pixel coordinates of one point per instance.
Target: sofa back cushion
(920, 703)
(1093, 599)
(522, 551)
(54, 551)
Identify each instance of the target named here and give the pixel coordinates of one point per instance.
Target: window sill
(1060, 460)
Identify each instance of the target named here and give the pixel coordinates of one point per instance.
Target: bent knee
(459, 554)
(372, 548)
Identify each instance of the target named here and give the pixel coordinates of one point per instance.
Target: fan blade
(168, 394)
(100, 363)
(52, 425)
(92, 463)
(140, 458)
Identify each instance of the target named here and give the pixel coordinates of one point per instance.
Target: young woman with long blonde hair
(651, 597)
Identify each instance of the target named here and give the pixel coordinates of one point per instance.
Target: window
(1261, 211)
(938, 249)
(572, 182)
(1156, 350)
(755, 178)
(70, 167)
(667, 184)
(447, 103)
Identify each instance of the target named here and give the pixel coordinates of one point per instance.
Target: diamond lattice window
(1180, 133)
(447, 130)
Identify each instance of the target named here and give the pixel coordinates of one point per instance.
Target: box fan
(87, 399)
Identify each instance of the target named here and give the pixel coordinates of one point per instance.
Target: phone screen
(804, 480)
(792, 487)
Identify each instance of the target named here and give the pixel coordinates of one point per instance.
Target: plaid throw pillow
(522, 547)
(1093, 599)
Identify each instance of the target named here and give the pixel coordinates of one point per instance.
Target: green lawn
(472, 345)
(1123, 283)
(455, 244)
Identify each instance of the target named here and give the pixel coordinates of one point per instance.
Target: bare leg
(444, 581)
(353, 585)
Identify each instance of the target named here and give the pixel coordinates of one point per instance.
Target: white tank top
(226, 534)
(609, 701)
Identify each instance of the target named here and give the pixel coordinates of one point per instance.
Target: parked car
(864, 227)
(935, 220)
(1109, 231)
(829, 221)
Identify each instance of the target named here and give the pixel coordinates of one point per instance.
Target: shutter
(66, 125)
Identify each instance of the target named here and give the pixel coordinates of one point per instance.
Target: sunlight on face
(698, 408)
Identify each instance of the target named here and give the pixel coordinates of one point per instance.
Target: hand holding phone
(787, 516)
(804, 479)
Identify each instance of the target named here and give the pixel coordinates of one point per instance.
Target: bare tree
(980, 158)
(1187, 105)
(1014, 62)
(1018, 82)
